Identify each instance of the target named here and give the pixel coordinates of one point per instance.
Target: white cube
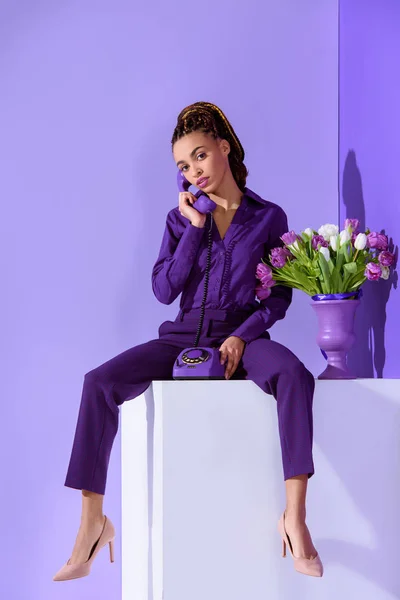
(203, 488)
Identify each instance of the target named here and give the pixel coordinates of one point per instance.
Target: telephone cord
(206, 277)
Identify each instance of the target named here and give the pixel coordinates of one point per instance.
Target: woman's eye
(201, 154)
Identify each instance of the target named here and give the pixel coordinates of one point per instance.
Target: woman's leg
(105, 388)
(91, 525)
(275, 369)
(295, 516)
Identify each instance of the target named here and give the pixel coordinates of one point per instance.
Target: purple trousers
(273, 367)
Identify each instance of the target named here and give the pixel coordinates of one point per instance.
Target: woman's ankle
(92, 509)
(295, 516)
(91, 521)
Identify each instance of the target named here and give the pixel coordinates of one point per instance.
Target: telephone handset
(203, 204)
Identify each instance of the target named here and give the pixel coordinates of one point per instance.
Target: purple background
(369, 165)
(90, 92)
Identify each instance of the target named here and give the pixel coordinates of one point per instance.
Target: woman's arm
(274, 307)
(175, 260)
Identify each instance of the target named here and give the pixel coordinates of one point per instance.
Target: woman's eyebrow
(193, 152)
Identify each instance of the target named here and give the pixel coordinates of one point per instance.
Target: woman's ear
(225, 147)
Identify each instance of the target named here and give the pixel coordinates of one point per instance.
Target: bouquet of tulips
(326, 261)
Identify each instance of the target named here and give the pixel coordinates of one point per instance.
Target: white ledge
(202, 490)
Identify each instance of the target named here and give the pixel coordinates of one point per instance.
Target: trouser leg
(105, 388)
(275, 369)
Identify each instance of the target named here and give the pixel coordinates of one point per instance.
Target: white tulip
(360, 242)
(385, 272)
(309, 232)
(344, 237)
(327, 230)
(325, 253)
(334, 242)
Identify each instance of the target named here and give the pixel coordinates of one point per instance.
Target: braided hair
(208, 118)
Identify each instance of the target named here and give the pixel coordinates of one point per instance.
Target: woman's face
(198, 155)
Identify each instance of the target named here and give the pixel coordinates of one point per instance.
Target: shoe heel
(283, 548)
(111, 544)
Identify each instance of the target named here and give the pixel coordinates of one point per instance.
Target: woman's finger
(231, 363)
(223, 356)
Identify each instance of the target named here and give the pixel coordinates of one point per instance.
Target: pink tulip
(263, 272)
(289, 238)
(317, 241)
(386, 258)
(372, 271)
(352, 224)
(279, 257)
(262, 292)
(377, 240)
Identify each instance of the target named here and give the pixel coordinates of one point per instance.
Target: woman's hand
(231, 349)
(186, 200)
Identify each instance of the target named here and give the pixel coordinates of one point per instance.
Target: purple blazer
(255, 229)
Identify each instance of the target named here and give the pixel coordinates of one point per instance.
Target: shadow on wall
(368, 351)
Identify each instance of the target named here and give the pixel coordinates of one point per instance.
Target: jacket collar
(249, 201)
(250, 194)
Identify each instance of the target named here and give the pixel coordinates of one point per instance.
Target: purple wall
(369, 164)
(90, 94)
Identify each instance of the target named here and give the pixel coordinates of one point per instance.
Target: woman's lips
(203, 183)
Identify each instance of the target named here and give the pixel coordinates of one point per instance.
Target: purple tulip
(386, 258)
(289, 238)
(279, 257)
(353, 224)
(317, 241)
(377, 240)
(372, 271)
(262, 293)
(263, 272)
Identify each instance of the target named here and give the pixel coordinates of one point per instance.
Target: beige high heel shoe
(307, 566)
(82, 569)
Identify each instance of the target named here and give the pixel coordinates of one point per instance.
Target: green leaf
(339, 262)
(350, 268)
(326, 279)
(346, 251)
(337, 278)
(336, 282)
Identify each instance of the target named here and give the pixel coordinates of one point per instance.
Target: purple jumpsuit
(231, 309)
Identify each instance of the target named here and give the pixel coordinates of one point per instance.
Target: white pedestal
(202, 490)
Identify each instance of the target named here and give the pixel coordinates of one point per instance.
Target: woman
(244, 228)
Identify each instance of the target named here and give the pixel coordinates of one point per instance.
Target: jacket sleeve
(274, 307)
(178, 251)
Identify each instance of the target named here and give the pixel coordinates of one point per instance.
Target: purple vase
(336, 335)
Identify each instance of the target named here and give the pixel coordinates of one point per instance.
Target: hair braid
(208, 118)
